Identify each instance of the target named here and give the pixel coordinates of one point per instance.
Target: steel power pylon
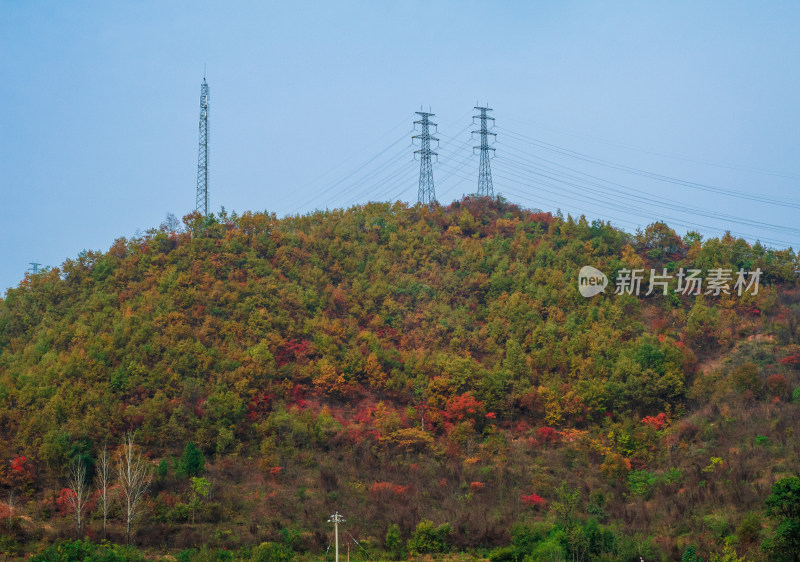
(201, 204)
(34, 267)
(426, 194)
(485, 187)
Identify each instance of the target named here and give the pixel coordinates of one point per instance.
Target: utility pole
(201, 204)
(485, 187)
(336, 519)
(426, 194)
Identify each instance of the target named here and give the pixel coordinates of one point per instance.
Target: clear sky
(312, 103)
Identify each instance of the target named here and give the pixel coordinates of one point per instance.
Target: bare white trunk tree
(76, 480)
(134, 475)
(103, 482)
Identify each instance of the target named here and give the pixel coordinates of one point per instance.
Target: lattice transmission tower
(485, 187)
(201, 204)
(426, 194)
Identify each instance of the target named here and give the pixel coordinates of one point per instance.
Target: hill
(407, 366)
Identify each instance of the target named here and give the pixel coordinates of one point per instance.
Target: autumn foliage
(436, 360)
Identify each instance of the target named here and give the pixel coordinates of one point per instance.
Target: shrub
(204, 554)
(272, 552)
(688, 431)
(778, 385)
(525, 538)
(718, 523)
(428, 539)
(656, 422)
(597, 504)
(10, 546)
(533, 500)
(550, 549)
(749, 529)
(546, 434)
(745, 377)
(393, 541)
(673, 476)
(80, 550)
(715, 462)
(615, 466)
(641, 483)
(690, 554)
(503, 554)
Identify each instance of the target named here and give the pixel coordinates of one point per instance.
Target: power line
(682, 157)
(456, 163)
(604, 202)
(388, 182)
(634, 194)
(343, 179)
(397, 164)
(522, 166)
(644, 173)
(594, 203)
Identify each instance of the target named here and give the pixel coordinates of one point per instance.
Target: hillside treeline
(432, 374)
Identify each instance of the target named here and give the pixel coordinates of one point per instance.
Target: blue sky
(99, 108)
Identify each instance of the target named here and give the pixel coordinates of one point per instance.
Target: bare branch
(134, 475)
(76, 481)
(103, 482)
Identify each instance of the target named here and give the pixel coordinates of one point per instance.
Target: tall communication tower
(202, 155)
(485, 187)
(426, 195)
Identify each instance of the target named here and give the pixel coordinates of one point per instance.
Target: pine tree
(192, 461)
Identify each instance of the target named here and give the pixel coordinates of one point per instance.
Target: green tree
(728, 555)
(272, 552)
(690, 554)
(783, 504)
(641, 483)
(192, 461)
(199, 488)
(428, 539)
(163, 469)
(564, 511)
(526, 538)
(393, 540)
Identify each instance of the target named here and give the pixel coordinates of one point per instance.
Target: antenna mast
(201, 204)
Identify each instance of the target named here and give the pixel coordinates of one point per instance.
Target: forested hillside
(432, 374)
